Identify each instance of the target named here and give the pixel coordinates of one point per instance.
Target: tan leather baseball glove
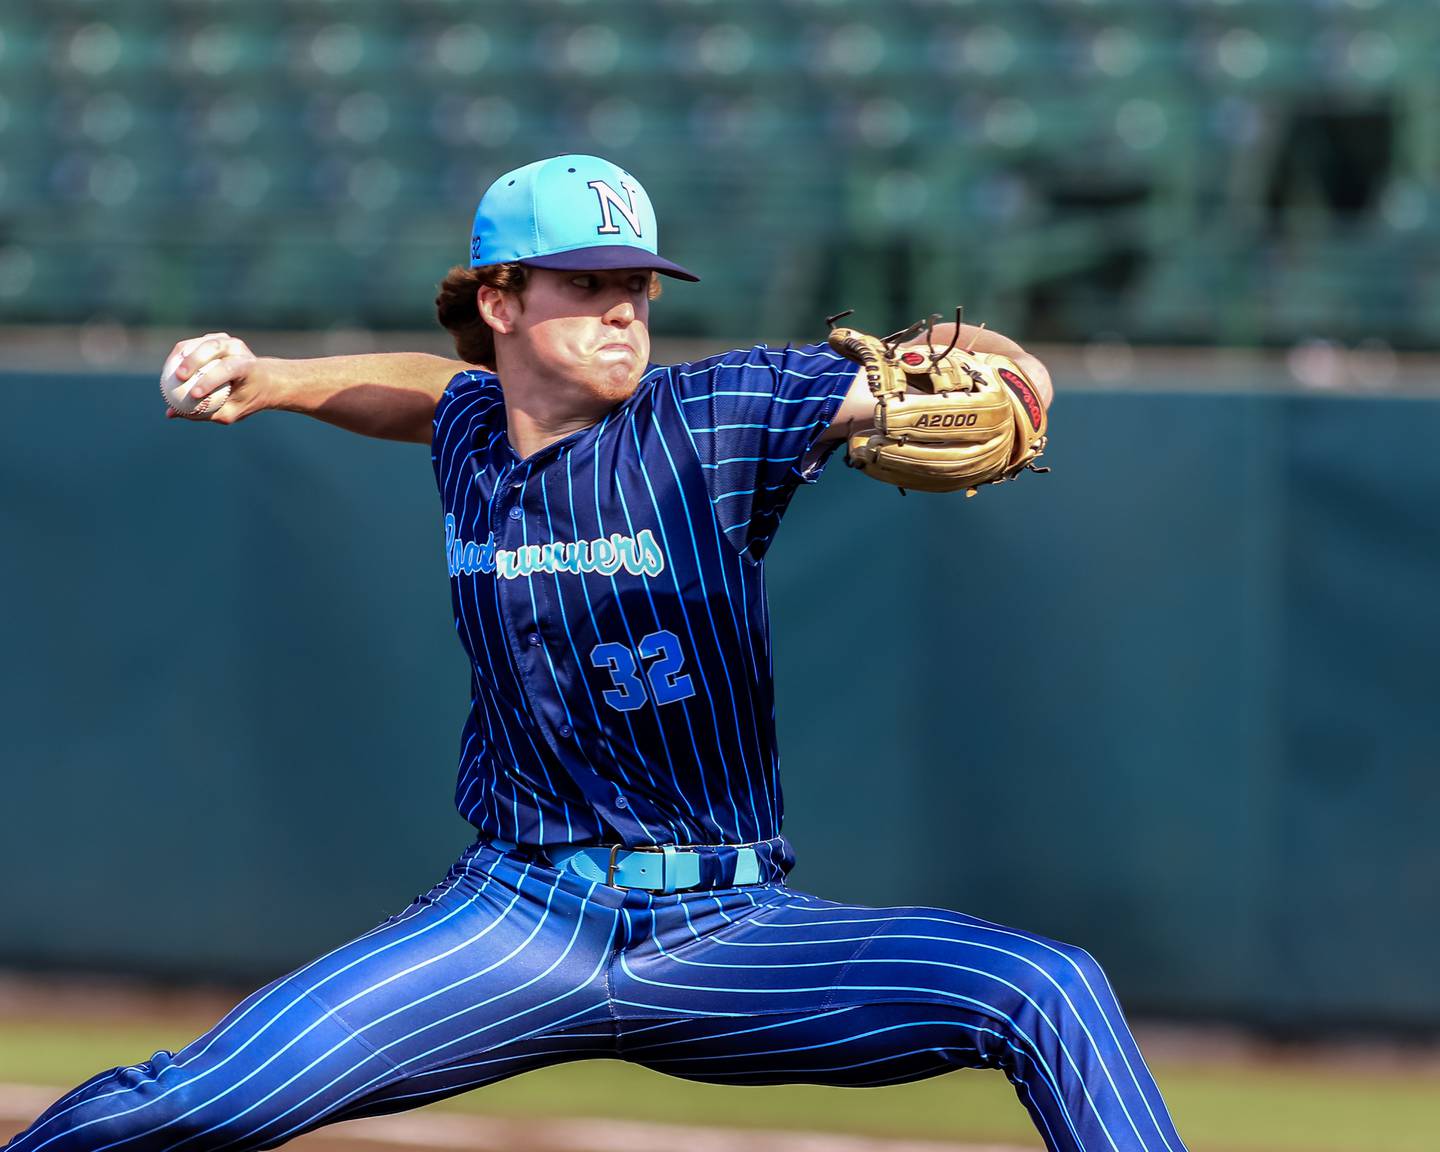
(945, 418)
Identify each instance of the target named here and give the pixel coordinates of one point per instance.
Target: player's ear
(496, 307)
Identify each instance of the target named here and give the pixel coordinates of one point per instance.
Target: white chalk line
(441, 1130)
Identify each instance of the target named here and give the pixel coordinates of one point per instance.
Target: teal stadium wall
(1174, 702)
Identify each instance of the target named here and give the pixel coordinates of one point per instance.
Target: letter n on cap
(609, 199)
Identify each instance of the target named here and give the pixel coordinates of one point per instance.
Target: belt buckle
(665, 853)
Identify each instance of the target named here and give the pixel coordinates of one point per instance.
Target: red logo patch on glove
(1021, 387)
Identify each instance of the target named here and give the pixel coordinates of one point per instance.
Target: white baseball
(177, 392)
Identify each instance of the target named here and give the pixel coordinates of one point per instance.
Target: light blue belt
(665, 868)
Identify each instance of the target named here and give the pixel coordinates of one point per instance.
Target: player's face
(587, 329)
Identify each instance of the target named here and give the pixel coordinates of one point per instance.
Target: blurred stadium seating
(1234, 171)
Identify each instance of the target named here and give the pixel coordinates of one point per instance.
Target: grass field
(1246, 1105)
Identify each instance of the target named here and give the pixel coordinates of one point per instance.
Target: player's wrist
(279, 386)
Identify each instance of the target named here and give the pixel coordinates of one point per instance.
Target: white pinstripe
(854, 961)
(726, 678)
(682, 1042)
(392, 1068)
(764, 759)
(178, 1065)
(679, 827)
(793, 1021)
(984, 927)
(306, 1031)
(684, 829)
(942, 996)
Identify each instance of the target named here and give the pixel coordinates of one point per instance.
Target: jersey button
(621, 802)
(515, 513)
(564, 731)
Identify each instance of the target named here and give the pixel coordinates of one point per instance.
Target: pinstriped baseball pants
(508, 965)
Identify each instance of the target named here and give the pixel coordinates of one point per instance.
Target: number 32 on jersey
(666, 680)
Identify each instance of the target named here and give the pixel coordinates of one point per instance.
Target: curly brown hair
(459, 313)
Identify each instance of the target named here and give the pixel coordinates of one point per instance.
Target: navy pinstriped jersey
(610, 593)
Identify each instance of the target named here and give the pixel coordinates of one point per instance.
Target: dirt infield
(440, 1131)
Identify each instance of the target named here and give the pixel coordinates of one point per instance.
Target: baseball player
(605, 523)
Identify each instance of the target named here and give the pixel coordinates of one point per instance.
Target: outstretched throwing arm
(389, 395)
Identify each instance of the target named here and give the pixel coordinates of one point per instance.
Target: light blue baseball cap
(569, 212)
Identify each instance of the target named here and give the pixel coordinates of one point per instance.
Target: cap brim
(606, 256)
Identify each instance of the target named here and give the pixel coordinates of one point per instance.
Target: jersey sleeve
(466, 400)
(755, 416)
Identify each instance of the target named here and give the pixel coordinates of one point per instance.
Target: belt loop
(668, 874)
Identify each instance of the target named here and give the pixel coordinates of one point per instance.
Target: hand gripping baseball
(210, 378)
(945, 419)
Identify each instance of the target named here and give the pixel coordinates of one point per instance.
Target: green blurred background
(1202, 171)
(1191, 729)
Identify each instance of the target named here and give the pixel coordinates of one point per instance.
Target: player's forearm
(387, 395)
